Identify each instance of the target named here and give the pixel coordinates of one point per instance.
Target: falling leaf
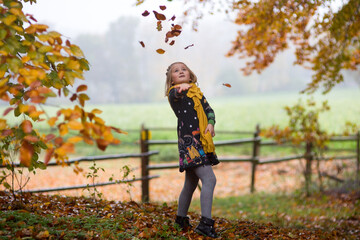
(159, 16)
(169, 34)
(146, 13)
(227, 85)
(163, 7)
(191, 45)
(160, 51)
(159, 26)
(142, 43)
(177, 27)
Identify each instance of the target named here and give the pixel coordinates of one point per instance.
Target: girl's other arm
(210, 116)
(208, 111)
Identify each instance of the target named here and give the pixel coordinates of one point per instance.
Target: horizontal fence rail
(83, 186)
(91, 159)
(97, 158)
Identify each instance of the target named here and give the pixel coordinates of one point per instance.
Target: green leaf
(29, 37)
(84, 64)
(42, 144)
(2, 34)
(17, 111)
(45, 49)
(14, 65)
(66, 91)
(52, 58)
(35, 157)
(76, 51)
(6, 185)
(41, 165)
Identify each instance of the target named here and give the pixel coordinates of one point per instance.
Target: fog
(122, 71)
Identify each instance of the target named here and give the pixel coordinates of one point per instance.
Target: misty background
(122, 71)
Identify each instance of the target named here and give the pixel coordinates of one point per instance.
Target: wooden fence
(92, 159)
(254, 159)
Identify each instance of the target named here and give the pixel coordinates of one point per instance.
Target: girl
(196, 121)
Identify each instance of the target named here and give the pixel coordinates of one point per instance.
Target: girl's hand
(210, 128)
(182, 87)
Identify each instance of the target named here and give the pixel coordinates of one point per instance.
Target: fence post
(358, 158)
(256, 153)
(144, 136)
(308, 158)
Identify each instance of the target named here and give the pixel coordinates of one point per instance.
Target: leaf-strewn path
(59, 217)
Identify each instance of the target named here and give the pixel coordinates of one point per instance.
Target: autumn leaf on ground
(172, 18)
(191, 45)
(146, 13)
(227, 85)
(172, 42)
(142, 43)
(163, 7)
(160, 51)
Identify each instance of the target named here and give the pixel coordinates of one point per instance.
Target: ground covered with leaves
(61, 217)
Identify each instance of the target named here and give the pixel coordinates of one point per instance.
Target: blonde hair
(169, 84)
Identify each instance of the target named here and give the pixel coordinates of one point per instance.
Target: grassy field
(232, 114)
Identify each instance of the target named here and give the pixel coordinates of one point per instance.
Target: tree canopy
(37, 64)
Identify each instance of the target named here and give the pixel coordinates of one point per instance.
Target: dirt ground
(232, 179)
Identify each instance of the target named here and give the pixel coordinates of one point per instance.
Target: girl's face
(180, 74)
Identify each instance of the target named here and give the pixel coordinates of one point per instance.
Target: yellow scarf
(206, 139)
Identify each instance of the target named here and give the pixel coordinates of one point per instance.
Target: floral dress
(191, 153)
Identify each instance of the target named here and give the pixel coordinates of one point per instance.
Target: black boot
(183, 222)
(206, 227)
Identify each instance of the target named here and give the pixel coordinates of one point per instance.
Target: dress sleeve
(208, 111)
(174, 95)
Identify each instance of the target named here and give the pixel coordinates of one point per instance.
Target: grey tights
(206, 175)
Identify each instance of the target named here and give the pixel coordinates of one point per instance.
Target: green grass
(285, 210)
(232, 114)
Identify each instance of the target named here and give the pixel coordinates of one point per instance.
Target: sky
(74, 17)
